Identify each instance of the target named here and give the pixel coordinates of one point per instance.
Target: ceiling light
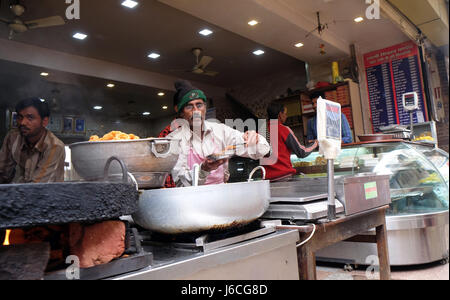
(146, 113)
(130, 3)
(253, 23)
(161, 94)
(44, 74)
(258, 52)
(98, 107)
(205, 32)
(79, 36)
(359, 19)
(299, 45)
(154, 55)
(110, 85)
(42, 100)
(165, 107)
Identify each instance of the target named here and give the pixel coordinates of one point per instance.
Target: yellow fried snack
(114, 136)
(321, 161)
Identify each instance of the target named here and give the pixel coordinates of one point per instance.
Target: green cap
(191, 96)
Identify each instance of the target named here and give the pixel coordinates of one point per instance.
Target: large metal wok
(202, 208)
(143, 158)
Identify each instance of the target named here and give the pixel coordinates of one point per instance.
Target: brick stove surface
(29, 205)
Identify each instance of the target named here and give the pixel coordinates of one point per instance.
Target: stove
(208, 241)
(251, 253)
(134, 258)
(153, 253)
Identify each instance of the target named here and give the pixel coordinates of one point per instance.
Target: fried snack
(114, 136)
(321, 161)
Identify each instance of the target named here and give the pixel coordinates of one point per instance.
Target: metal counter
(271, 257)
(412, 240)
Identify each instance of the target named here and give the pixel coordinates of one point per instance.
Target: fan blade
(198, 71)
(210, 73)
(204, 62)
(4, 21)
(46, 22)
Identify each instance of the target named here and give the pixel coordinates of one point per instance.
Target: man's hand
(251, 138)
(211, 165)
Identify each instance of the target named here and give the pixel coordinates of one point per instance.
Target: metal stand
(412, 124)
(331, 191)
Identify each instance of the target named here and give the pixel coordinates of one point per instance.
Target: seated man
(347, 137)
(31, 153)
(201, 138)
(287, 144)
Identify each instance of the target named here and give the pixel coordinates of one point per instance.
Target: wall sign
(390, 73)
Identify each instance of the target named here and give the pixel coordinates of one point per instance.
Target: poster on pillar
(390, 73)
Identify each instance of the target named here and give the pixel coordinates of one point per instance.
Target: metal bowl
(202, 208)
(375, 137)
(145, 180)
(140, 156)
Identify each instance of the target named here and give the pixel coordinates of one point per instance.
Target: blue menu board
(382, 102)
(390, 73)
(407, 78)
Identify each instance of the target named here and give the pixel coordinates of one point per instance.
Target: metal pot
(140, 156)
(202, 208)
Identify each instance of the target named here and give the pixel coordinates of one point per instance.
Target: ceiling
(170, 27)
(77, 95)
(127, 36)
(284, 23)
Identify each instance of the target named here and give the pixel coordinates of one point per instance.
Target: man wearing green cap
(200, 139)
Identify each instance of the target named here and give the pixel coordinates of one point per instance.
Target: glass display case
(417, 219)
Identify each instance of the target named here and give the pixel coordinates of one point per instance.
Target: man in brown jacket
(31, 153)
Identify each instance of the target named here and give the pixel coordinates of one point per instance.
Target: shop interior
(111, 67)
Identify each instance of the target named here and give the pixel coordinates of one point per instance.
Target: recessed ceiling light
(110, 85)
(42, 99)
(154, 55)
(165, 107)
(205, 32)
(44, 74)
(161, 94)
(146, 113)
(79, 36)
(130, 3)
(258, 52)
(98, 107)
(299, 45)
(253, 23)
(359, 19)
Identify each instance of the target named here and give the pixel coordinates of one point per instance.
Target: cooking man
(31, 153)
(201, 138)
(347, 137)
(287, 144)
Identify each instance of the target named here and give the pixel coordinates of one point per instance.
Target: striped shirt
(20, 163)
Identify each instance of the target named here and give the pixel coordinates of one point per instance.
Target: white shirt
(216, 138)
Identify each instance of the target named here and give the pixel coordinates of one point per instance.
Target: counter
(418, 218)
(271, 257)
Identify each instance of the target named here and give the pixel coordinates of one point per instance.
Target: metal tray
(304, 197)
(308, 211)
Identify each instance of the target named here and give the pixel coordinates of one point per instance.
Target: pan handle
(163, 154)
(122, 165)
(250, 178)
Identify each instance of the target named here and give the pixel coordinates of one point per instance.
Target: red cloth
(283, 165)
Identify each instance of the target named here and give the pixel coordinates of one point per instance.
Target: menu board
(392, 72)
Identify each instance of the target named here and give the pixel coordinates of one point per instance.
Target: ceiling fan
(201, 64)
(17, 25)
